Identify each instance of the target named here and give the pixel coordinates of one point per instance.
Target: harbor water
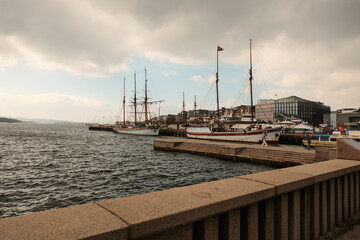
(48, 166)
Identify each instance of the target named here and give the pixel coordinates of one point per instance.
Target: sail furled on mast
(144, 103)
(250, 79)
(217, 83)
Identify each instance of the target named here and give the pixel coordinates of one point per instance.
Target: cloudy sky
(67, 59)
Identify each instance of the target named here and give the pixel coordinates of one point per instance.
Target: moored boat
(250, 133)
(146, 131)
(254, 136)
(324, 139)
(138, 128)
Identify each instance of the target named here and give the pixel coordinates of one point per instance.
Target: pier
(102, 128)
(254, 153)
(172, 132)
(289, 138)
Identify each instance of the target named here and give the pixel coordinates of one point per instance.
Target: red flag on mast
(219, 48)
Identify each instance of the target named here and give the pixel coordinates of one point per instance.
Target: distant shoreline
(9, 120)
(39, 121)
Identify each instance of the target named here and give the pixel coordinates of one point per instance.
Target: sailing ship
(146, 128)
(249, 134)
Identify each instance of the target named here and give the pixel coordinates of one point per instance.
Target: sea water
(47, 166)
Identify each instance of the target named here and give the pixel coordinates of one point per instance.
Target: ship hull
(138, 131)
(273, 135)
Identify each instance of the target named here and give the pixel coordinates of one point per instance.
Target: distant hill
(9, 120)
(44, 121)
(32, 120)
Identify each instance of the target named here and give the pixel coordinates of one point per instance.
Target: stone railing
(302, 202)
(311, 201)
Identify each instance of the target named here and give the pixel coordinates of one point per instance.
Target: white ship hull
(138, 131)
(254, 136)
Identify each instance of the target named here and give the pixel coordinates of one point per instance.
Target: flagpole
(217, 89)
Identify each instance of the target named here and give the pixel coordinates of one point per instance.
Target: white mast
(135, 96)
(146, 103)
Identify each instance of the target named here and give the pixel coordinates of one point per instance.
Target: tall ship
(146, 128)
(251, 133)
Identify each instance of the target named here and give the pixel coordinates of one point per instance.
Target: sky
(67, 60)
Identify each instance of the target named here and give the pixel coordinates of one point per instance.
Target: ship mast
(124, 103)
(250, 79)
(146, 103)
(195, 106)
(135, 96)
(217, 87)
(183, 111)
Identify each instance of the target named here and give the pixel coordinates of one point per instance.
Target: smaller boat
(325, 139)
(243, 131)
(304, 128)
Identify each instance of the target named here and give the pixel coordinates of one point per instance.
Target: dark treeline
(9, 120)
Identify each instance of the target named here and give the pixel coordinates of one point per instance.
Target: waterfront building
(234, 113)
(295, 107)
(265, 109)
(239, 111)
(270, 110)
(346, 117)
(201, 113)
(292, 107)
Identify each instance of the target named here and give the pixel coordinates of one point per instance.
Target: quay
(102, 128)
(254, 153)
(291, 138)
(172, 132)
(311, 201)
(285, 138)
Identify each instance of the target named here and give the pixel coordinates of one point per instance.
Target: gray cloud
(307, 43)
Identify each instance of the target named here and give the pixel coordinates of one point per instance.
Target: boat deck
(254, 153)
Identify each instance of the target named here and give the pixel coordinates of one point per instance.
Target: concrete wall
(348, 149)
(325, 152)
(302, 202)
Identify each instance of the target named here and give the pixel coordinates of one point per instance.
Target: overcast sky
(67, 59)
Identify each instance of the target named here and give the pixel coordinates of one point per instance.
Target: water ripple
(52, 166)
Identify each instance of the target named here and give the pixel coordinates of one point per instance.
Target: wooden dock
(254, 153)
